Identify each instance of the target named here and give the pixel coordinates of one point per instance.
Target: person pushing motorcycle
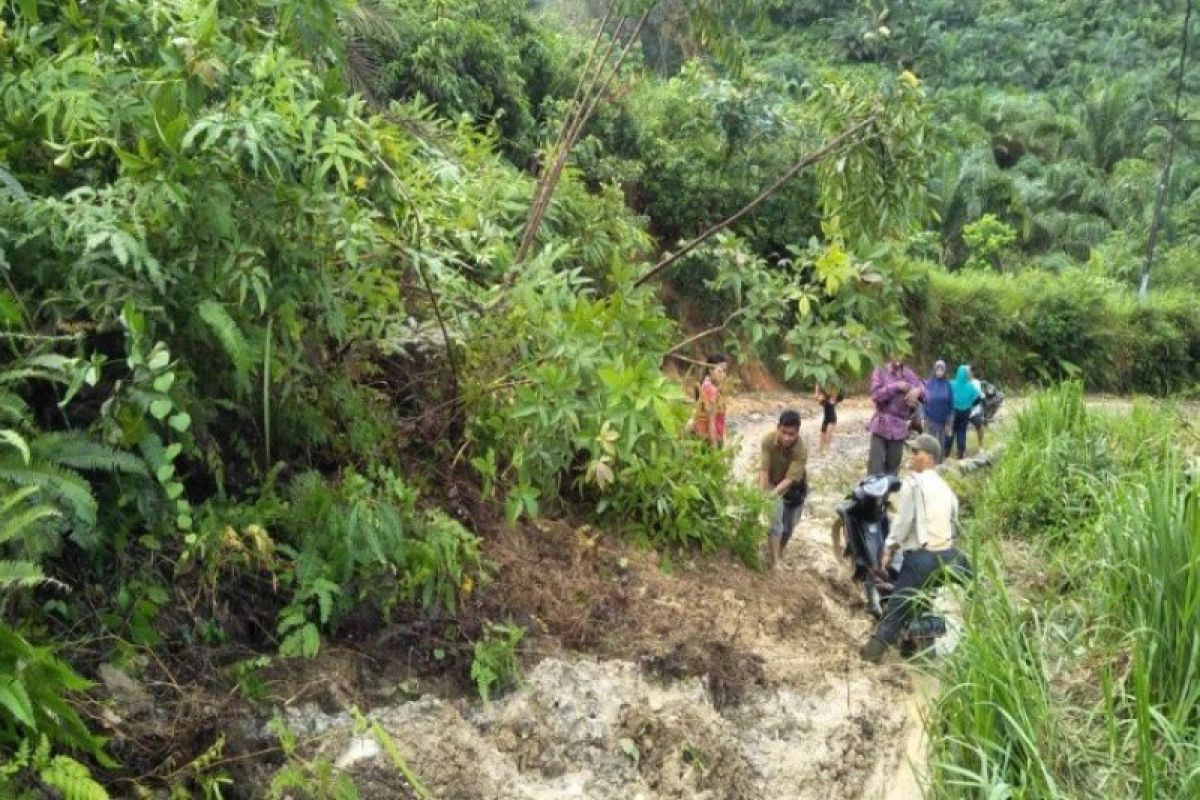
(924, 530)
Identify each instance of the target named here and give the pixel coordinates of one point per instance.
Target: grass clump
(1079, 673)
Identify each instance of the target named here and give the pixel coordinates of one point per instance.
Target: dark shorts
(830, 417)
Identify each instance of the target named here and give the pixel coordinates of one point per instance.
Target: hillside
(349, 351)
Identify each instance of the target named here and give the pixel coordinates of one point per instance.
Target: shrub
(495, 665)
(570, 403)
(364, 539)
(1039, 327)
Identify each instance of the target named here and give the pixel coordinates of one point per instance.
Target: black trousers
(922, 570)
(959, 434)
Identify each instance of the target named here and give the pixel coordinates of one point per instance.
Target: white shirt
(927, 514)
(977, 406)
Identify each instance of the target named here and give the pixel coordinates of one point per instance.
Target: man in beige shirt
(924, 531)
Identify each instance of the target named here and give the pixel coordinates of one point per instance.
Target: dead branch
(708, 332)
(833, 145)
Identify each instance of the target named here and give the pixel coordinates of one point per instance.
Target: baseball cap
(926, 444)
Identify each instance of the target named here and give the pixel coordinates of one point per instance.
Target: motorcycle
(862, 519)
(991, 400)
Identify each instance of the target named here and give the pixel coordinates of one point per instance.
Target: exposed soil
(692, 680)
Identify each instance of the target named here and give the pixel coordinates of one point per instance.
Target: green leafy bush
(987, 238)
(1039, 327)
(495, 665)
(582, 411)
(364, 539)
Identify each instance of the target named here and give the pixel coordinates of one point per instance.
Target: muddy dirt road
(783, 707)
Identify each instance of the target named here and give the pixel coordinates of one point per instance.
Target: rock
(130, 697)
(361, 748)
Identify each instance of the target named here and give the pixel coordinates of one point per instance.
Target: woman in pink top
(708, 421)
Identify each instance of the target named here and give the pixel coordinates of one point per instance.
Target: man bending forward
(924, 530)
(783, 473)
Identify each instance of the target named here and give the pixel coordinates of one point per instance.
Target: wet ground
(783, 706)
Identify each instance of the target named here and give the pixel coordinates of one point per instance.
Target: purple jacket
(891, 411)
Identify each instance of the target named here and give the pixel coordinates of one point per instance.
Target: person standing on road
(924, 530)
(828, 397)
(708, 420)
(964, 394)
(897, 392)
(977, 416)
(939, 406)
(783, 472)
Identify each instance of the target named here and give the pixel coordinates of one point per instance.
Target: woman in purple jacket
(896, 391)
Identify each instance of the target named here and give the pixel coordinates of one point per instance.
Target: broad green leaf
(159, 409)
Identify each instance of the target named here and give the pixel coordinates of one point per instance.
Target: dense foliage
(1041, 328)
(1052, 116)
(241, 301)
(275, 363)
(1077, 672)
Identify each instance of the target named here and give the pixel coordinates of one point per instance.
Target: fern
(12, 407)
(58, 483)
(20, 574)
(234, 343)
(72, 779)
(77, 451)
(33, 689)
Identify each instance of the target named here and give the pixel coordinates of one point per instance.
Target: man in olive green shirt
(783, 473)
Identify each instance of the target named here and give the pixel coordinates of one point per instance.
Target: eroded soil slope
(702, 680)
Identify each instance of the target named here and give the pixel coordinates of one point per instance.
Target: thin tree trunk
(1164, 183)
(828, 149)
(573, 126)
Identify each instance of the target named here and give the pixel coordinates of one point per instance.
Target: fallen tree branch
(708, 332)
(830, 147)
(686, 360)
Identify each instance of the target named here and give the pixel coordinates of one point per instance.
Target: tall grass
(1152, 531)
(1043, 486)
(1085, 680)
(995, 719)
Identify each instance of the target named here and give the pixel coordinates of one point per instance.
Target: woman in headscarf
(939, 406)
(963, 394)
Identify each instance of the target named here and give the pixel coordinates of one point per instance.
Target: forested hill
(1053, 115)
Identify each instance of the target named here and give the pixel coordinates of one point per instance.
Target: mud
(713, 681)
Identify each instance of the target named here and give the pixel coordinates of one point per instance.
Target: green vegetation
(1052, 116)
(304, 300)
(1039, 328)
(1076, 675)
